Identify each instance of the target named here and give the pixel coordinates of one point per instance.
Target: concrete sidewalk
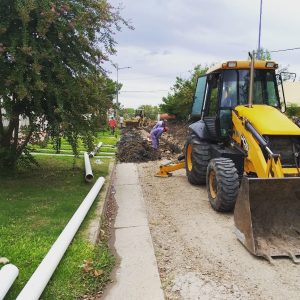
(137, 275)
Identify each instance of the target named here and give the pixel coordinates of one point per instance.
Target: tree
(180, 99)
(127, 112)
(264, 54)
(150, 111)
(292, 110)
(51, 56)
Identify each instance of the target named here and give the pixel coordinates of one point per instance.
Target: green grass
(35, 206)
(105, 137)
(103, 150)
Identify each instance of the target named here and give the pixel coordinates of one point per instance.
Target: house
(291, 92)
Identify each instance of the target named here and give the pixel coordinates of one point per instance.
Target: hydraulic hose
(296, 156)
(262, 142)
(256, 135)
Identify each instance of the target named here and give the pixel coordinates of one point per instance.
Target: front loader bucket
(267, 217)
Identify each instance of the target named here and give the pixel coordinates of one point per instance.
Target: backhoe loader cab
(247, 152)
(226, 86)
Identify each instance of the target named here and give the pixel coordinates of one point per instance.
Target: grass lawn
(103, 150)
(104, 136)
(35, 206)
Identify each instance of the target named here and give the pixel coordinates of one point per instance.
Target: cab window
(229, 89)
(199, 96)
(212, 95)
(264, 89)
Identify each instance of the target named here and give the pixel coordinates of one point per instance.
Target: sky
(171, 37)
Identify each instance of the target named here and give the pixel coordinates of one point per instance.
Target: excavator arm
(252, 142)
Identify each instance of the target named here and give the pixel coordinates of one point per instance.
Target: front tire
(197, 156)
(222, 182)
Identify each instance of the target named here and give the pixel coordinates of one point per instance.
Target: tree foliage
(51, 55)
(126, 112)
(180, 99)
(264, 54)
(150, 111)
(292, 110)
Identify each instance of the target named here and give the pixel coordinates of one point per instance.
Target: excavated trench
(135, 146)
(132, 147)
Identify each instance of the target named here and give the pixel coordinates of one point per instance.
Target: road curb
(95, 225)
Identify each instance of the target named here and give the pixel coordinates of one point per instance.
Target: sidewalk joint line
(133, 226)
(122, 184)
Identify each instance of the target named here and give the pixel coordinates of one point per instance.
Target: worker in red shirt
(112, 123)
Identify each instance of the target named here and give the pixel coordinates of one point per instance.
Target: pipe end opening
(89, 177)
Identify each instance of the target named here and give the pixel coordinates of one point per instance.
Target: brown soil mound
(133, 148)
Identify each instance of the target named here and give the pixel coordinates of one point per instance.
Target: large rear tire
(197, 156)
(222, 182)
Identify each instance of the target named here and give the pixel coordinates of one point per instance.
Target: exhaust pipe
(38, 281)
(88, 169)
(8, 275)
(251, 81)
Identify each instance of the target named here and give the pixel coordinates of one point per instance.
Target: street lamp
(259, 31)
(118, 68)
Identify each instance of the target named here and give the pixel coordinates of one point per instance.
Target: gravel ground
(198, 255)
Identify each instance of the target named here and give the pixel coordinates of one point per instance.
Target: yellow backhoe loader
(246, 150)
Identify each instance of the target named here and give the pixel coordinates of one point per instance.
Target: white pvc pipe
(88, 168)
(38, 281)
(93, 153)
(8, 275)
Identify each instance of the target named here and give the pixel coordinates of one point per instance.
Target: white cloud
(171, 37)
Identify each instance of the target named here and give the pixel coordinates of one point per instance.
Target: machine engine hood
(268, 120)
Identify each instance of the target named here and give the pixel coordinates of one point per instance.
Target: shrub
(292, 110)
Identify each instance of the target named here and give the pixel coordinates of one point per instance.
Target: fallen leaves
(89, 267)
(4, 260)
(98, 273)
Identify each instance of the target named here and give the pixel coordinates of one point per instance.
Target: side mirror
(288, 76)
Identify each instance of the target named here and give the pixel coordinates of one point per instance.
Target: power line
(154, 91)
(147, 77)
(288, 49)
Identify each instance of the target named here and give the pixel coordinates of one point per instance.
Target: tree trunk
(9, 143)
(22, 146)
(1, 124)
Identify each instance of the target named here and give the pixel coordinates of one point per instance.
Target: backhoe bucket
(267, 217)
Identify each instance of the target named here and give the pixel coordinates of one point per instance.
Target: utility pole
(259, 31)
(118, 68)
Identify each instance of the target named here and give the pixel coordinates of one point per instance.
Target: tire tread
(228, 184)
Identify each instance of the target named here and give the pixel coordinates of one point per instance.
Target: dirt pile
(135, 145)
(133, 148)
(176, 135)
